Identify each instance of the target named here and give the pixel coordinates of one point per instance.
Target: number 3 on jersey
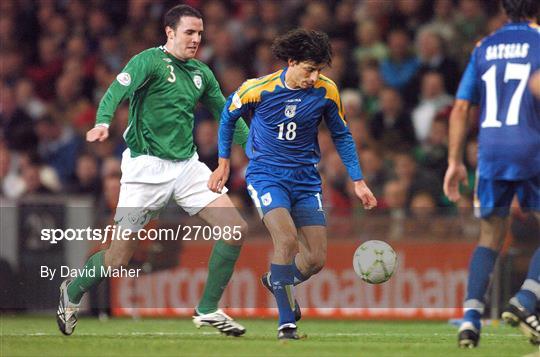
(172, 77)
(290, 133)
(512, 71)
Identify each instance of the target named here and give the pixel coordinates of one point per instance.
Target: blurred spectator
(432, 153)
(470, 23)
(103, 77)
(110, 52)
(335, 179)
(359, 129)
(408, 14)
(343, 22)
(443, 21)
(70, 107)
(352, 103)
(317, 16)
(371, 85)
(392, 126)
(86, 180)
(32, 181)
(370, 45)
(264, 60)
(11, 65)
(432, 57)
(12, 185)
(407, 172)
(433, 99)
(399, 68)
(206, 140)
(27, 100)
(58, 147)
(77, 49)
(394, 201)
(17, 125)
(48, 68)
(423, 207)
(338, 70)
(373, 170)
(231, 79)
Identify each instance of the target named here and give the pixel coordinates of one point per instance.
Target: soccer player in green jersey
(163, 85)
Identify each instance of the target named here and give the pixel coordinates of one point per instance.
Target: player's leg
(268, 188)
(309, 260)
(312, 242)
(193, 195)
(222, 213)
(118, 254)
(521, 310)
(283, 231)
(494, 198)
(138, 202)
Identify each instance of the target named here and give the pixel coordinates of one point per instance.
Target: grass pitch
(23, 335)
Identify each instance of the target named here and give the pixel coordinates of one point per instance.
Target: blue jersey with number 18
(284, 125)
(497, 78)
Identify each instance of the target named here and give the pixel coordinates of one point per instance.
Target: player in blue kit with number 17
(497, 78)
(282, 175)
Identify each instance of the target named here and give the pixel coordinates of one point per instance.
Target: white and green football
(375, 261)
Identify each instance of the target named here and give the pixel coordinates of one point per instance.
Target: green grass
(23, 335)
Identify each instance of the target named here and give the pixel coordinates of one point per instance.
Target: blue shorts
(296, 189)
(493, 197)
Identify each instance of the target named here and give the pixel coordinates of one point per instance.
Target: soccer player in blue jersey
(282, 175)
(496, 79)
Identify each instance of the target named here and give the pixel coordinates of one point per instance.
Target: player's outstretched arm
(220, 176)
(99, 133)
(365, 195)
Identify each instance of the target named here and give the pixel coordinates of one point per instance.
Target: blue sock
(480, 269)
(282, 285)
(298, 276)
(530, 290)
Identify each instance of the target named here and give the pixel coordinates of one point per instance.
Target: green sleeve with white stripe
(138, 70)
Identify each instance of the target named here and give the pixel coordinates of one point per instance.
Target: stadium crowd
(397, 64)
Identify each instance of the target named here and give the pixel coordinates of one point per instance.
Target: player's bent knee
(316, 263)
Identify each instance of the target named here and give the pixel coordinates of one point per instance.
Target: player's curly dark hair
(174, 14)
(303, 45)
(519, 10)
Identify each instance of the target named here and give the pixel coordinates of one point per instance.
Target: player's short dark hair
(521, 9)
(173, 16)
(303, 45)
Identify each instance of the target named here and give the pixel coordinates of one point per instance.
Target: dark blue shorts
(297, 189)
(493, 197)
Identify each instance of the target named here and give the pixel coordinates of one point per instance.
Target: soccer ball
(375, 261)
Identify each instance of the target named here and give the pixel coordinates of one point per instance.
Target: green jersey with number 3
(163, 92)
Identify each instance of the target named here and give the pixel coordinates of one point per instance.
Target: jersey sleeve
(469, 87)
(214, 101)
(232, 111)
(346, 148)
(138, 70)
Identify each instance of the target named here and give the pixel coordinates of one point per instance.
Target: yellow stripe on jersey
(332, 93)
(251, 90)
(534, 25)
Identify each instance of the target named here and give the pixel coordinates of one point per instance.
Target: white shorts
(148, 183)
